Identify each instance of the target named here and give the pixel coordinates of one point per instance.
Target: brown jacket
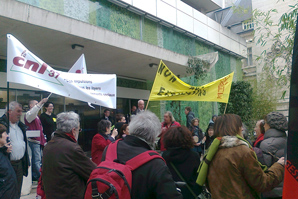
(65, 168)
(235, 173)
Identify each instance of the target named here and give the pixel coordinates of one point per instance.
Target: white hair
(12, 105)
(146, 126)
(66, 121)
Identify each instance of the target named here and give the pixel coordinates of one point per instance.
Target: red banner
(290, 189)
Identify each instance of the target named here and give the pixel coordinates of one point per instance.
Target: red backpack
(112, 179)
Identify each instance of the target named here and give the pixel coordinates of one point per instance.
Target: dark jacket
(189, 117)
(196, 131)
(65, 168)
(186, 162)
(25, 159)
(151, 180)
(275, 143)
(110, 119)
(8, 179)
(208, 141)
(48, 124)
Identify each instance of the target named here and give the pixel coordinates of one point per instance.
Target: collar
(65, 135)
(136, 141)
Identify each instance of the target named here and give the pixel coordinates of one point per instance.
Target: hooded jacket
(235, 173)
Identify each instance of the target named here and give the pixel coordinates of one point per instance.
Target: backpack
(112, 179)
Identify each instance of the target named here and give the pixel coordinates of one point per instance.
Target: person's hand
(204, 139)
(198, 144)
(281, 161)
(9, 147)
(44, 100)
(114, 133)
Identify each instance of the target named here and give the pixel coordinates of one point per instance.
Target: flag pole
(7, 111)
(147, 105)
(225, 108)
(49, 95)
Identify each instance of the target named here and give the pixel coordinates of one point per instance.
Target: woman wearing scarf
(260, 131)
(231, 169)
(102, 139)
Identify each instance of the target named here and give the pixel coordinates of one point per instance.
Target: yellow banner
(167, 86)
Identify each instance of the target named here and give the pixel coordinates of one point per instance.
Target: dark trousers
(18, 168)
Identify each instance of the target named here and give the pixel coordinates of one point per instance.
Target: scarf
(259, 139)
(203, 168)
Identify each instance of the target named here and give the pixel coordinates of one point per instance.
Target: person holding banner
(33, 122)
(19, 158)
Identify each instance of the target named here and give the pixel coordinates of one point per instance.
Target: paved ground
(32, 195)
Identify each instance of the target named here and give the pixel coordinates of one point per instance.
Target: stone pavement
(32, 194)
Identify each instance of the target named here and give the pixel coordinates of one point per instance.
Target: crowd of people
(221, 159)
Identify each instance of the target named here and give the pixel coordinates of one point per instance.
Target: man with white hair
(141, 105)
(153, 179)
(19, 158)
(65, 167)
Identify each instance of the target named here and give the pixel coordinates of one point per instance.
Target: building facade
(127, 38)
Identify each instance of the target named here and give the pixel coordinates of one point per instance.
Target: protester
(198, 136)
(33, 122)
(153, 179)
(274, 145)
(8, 183)
(133, 110)
(189, 116)
(209, 136)
(19, 158)
(213, 119)
(245, 134)
(260, 131)
(141, 105)
(101, 140)
(178, 141)
(231, 166)
(48, 120)
(66, 168)
(120, 120)
(124, 131)
(169, 121)
(107, 116)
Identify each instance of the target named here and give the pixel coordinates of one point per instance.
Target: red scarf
(71, 137)
(259, 139)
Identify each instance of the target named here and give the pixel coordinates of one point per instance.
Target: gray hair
(12, 105)
(146, 126)
(66, 121)
(244, 131)
(277, 121)
(140, 101)
(170, 114)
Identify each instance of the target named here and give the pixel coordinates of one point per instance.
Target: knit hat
(277, 121)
